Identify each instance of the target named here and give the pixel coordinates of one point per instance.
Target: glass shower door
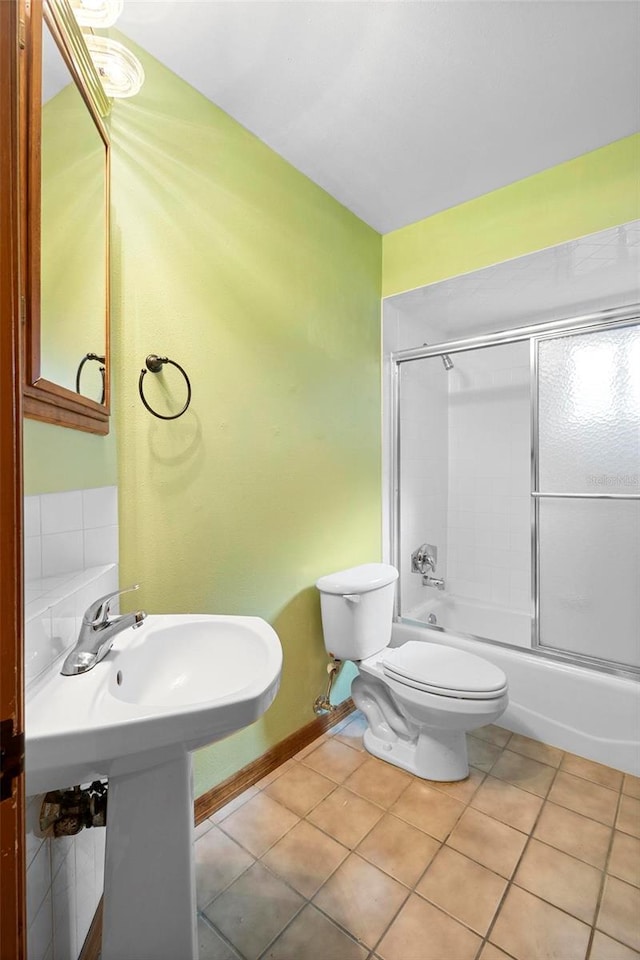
(587, 495)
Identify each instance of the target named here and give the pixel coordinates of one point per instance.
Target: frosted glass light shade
(121, 73)
(97, 13)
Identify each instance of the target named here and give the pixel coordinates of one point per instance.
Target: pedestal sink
(172, 685)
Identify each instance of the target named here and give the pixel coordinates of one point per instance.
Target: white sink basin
(171, 685)
(176, 682)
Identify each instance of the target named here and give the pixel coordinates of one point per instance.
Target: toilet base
(436, 755)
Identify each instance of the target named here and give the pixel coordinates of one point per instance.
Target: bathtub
(481, 619)
(592, 714)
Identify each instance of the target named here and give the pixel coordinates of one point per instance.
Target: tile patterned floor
(339, 856)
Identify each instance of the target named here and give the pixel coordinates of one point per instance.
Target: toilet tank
(357, 610)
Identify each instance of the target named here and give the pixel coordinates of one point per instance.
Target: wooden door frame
(12, 827)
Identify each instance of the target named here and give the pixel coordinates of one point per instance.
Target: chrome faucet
(98, 632)
(424, 561)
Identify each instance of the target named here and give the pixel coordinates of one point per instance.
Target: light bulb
(120, 72)
(97, 13)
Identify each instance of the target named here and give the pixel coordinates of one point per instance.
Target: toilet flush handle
(351, 597)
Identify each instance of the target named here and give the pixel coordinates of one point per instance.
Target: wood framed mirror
(65, 221)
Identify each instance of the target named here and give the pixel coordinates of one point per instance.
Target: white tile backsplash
(40, 931)
(100, 544)
(100, 507)
(67, 532)
(61, 512)
(62, 553)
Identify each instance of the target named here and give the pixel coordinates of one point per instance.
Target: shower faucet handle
(425, 559)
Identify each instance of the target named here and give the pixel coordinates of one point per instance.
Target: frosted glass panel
(589, 578)
(589, 412)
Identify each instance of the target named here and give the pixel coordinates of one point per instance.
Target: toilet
(419, 699)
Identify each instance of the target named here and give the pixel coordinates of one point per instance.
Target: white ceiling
(400, 109)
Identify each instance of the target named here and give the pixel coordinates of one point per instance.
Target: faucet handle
(424, 559)
(98, 611)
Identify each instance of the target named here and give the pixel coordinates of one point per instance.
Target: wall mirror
(66, 224)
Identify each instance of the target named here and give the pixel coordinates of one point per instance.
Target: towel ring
(91, 356)
(154, 365)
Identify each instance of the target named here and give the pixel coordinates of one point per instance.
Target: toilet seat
(442, 671)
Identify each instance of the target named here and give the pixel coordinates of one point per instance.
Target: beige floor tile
(422, 932)
(489, 952)
(530, 775)
(565, 882)
(219, 861)
(529, 929)
(259, 823)
(604, 948)
(301, 754)
(254, 910)
(493, 734)
(234, 805)
(345, 816)
(300, 789)
(535, 750)
(589, 770)
(619, 914)
(211, 946)
(629, 816)
(463, 888)
(334, 760)
(311, 936)
(573, 833)
(582, 796)
(482, 754)
(495, 845)
(399, 849)
(380, 782)
(631, 786)
(461, 790)
(275, 774)
(305, 857)
(361, 898)
(503, 801)
(624, 860)
(428, 809)
(201, 828)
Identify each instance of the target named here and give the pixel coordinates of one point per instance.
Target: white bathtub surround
(485, 620)
(489, 506)
(555, 702)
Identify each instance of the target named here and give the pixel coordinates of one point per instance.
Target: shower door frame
(618, 317)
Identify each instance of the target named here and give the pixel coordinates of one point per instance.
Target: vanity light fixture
(97, 13)
(120, 72)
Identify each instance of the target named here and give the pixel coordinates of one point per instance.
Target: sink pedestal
(149, 900)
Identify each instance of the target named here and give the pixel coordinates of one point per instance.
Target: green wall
(56, 458)
(267, 291)
(590, 193)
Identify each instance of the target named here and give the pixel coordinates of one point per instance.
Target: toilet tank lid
(362, 579)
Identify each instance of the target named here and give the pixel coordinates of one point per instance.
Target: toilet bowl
(419, 699)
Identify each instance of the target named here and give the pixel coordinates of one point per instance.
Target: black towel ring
(155, 365)
(91, 356)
